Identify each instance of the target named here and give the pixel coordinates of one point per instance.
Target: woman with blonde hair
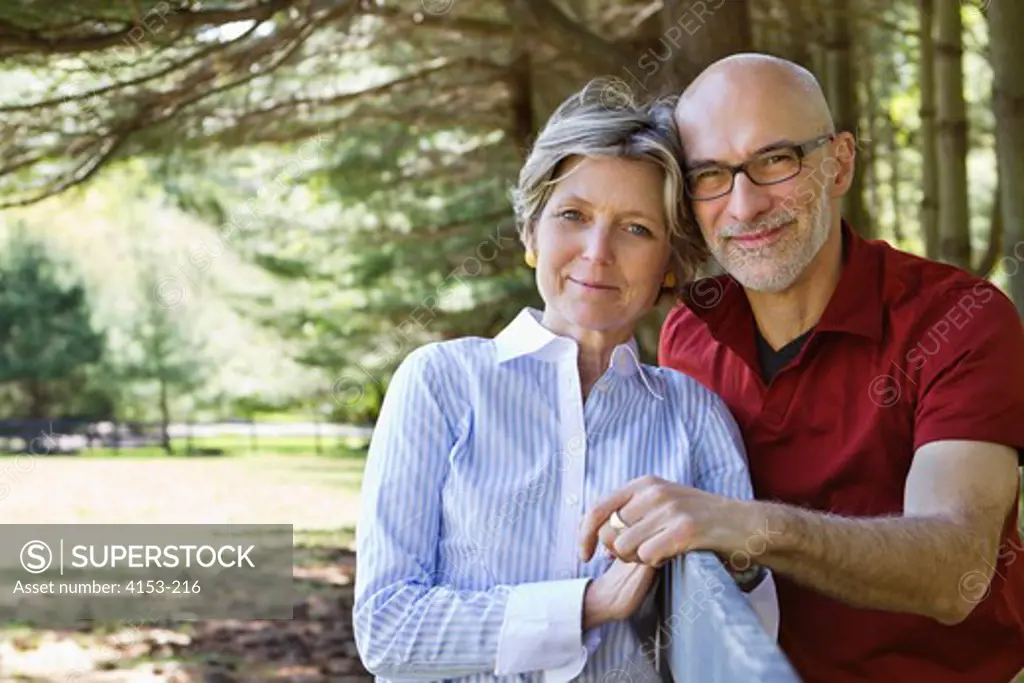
(488, 452)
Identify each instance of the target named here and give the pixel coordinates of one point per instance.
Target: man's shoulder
(923, 290)
(685, 329)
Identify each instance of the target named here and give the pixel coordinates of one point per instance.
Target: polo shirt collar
(525, 336)
(856, 306)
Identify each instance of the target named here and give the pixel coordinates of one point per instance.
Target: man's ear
(843, 164)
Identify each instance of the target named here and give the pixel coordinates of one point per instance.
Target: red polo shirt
(908, 351)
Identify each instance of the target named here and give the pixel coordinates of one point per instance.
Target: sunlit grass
(308, 491)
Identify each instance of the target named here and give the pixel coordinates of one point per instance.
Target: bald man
(880, 396)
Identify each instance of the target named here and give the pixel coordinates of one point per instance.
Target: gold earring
(531, 259)
(670, 280)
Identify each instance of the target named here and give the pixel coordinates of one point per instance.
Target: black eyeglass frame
(802, 150)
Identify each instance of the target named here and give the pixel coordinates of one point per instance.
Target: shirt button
(572, 500)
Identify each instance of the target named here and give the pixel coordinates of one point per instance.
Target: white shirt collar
(525, 336)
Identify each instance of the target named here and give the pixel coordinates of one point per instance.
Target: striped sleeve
(409, 620)
(719, 456)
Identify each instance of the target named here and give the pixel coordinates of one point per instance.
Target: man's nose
(748, 201)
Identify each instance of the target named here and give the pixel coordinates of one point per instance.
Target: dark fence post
(316, 431)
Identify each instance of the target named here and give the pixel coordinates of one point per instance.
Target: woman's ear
(530, 239)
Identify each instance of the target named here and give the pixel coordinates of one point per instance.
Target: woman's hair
(603, 121)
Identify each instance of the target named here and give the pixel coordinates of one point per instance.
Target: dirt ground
(319, 496)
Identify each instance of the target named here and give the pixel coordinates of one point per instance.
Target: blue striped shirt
(482, 464)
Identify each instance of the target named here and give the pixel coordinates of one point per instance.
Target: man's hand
(665, 520)
(616, 594)
(958, 495)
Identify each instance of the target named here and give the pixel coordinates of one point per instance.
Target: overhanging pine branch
(464, 26)
(543, 18)
(124, 85)
(79, 175)
(17, 40)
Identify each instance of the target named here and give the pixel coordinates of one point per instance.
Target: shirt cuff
(542, 629)
(765, 602)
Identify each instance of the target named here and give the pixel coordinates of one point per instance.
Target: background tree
(47, 341)
(928, 137)
(358, 156)
(841, 91)
(1007, 50)
(954, 237)
(164, 354)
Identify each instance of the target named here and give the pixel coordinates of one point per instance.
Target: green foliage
(165, 359)
(46, 334)
(330, 188)
(202, 349)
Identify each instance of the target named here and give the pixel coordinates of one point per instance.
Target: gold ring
(616, 522)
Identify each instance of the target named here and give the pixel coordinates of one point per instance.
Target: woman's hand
(617, 593)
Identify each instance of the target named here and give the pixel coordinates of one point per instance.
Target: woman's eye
(570, 215)
(637, 229)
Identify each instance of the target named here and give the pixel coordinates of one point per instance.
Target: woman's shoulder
(681, 385)
(441, 360)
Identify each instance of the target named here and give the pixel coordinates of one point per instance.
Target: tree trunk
(929, 215)
(521, 87)
(546, 22)
(894, 181)
(819, 54)
(842, 97)
(695, 34)
(799, 33)
(954, 219)
(38, 398)
(995, 236)
(869, 145)
(165, 419)
(1006, 22)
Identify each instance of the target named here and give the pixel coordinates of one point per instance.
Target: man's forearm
(918, 565)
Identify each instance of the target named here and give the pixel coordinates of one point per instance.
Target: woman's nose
(599, 243)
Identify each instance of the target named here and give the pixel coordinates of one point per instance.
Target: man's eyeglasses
(768, 168)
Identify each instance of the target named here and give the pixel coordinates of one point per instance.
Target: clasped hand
(664, 520)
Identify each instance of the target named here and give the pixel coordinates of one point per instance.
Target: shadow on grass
(315, 646)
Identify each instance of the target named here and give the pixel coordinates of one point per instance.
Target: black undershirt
(770, 360)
